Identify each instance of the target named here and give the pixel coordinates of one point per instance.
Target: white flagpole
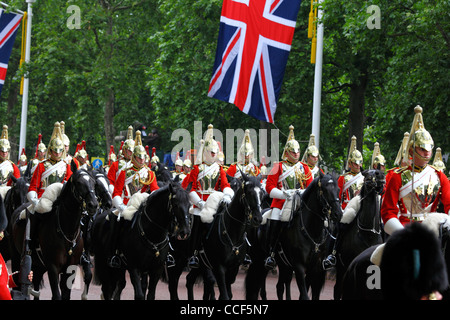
(318, 79)
(23, 123)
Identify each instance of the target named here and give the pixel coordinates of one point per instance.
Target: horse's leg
(53, 278)
(174, 274)
(38, 274)
(300, 277)
(152, 283)
(63, 285)
(208, 284)
(190, 281)
(87, 279)
(282, 272)
(219, 273)
(136, 281)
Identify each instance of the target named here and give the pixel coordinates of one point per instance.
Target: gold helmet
(377, 157)
(4, 142)
(129, 142)
(139, 150)
(438, 161)
(401, 152)
(23, 157)
(354, 155)
(56, 143)
(246, 149)
(40, 146)
(292, 145)
(111, 156)
(187, 163)
(419, 136)
(81, 151)
(178, 161)
(311, 150)
(208, 146)
(65, 138)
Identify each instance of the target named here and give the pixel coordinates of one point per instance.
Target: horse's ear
(12, 177)
(321, 174)
(244, 176)
(73, 166)
(189, 187)
(177, 178)
(364, 173)
(171, 187)
(27, 172)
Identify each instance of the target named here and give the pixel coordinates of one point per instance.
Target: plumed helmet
(187, 163)
(211, 145)
(139, 150)
(292, 145)
(65, 138)
(438, 162)
(129, 143)
(4, 142)
(419, 136)
(56, 143)
(41, 147)
(354, 155)
(311, 150)
(178, 161)
(264, 170)
(246, 148)
(401, 152)
(154, 158)
(23, 156)
(377, 157)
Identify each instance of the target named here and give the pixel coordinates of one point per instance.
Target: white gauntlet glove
(33, 197)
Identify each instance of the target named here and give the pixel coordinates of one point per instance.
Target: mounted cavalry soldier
(39, 156)
(23, 162)
(111, 158)
(286, 177)
(135, 177)
(7, 167)
(178, 169)
(127, 152)
(81, 156)
(378, 160)
(245, 161)
(207, 177)
(311, 156)
(414, 191)
(351, 182)
(66, 141)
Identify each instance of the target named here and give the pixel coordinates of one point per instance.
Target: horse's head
(179, 208)
(374, 180)
(83, 188)
(329, 196)
(102, 188)
(251, 199)
(234, 182)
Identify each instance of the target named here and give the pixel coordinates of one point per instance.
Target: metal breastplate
(209, 180)
(354, 189)
(136, 184)
(292, 181)
(5, 170)
(420, 199)
(56, 176)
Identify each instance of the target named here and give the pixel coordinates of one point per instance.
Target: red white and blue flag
(255, 38)
(9, 23)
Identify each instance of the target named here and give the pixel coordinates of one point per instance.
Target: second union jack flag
(255, 38)
(9, 23)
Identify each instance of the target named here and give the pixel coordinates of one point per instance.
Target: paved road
(162, 291)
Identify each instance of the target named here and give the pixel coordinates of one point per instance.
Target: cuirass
(419, 199)
(209, 180)
(293, 180)
(248, 169)
(137, 182)
(5, 170)
(56, 176)
(355, 187)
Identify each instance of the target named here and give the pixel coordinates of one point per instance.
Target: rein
(371, 188)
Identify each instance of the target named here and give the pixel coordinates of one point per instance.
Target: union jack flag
(9, 23)
(255, 38)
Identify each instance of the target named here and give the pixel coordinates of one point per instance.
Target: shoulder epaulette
(400, 170)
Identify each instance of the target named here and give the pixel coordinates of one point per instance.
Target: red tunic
(272, 182)
(392, 205)
(36, 179)
(16, 172)
(112, 172)
(233, 169)
(6, 281)
(119, 186)
(221, 183)
(344, 197)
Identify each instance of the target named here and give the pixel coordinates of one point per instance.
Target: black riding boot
(330, 261)
(114, 230)
(272, 237)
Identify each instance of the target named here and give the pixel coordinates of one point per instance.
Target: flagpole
(23, 122)
(318, 79)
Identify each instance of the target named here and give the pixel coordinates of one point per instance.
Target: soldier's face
(312, 160)
(354, 167)
(293, 156)
(425, 156)
(3, 155)
(55, 155)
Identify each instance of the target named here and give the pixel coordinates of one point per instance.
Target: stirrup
(170, 261)
(329, 262)
(270, 263)
(86, 260)
(247, 260)
(114, 262)
(194, 263)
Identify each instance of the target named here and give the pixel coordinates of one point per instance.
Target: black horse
(225, 243)
(365, 230)
(303, 241)
(104, 203)
(143, 242)
(59, 235)
(412, 267)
